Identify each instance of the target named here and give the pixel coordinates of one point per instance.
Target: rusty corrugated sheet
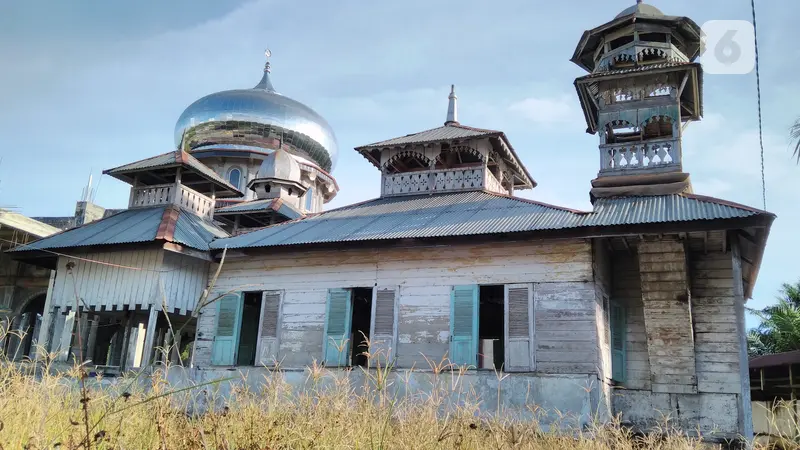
(478, 213)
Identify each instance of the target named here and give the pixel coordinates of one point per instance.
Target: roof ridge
(467, 127)
(169, 220)
(708, 198)
(536, 202)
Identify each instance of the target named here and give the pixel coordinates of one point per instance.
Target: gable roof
(177, 158)
(478, 213)
(169, 223)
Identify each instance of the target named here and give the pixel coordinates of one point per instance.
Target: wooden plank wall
(110, 282)
(603, 278)
(627, 290)
(715, 323)
(667, 315)
(183, 279)
(424, 276)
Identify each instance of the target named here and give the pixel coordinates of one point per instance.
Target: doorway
(362, 315)
(248, 337)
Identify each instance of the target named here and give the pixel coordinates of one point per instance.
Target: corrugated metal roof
(270, 204)
(132, 226)
(638, 68)
(447, 132)
(477, 213)
(174, 158)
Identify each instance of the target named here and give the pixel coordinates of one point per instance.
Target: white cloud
(546, 111)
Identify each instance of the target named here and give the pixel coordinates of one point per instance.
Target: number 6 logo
(728, 47)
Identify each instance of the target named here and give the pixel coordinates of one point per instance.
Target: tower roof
(641, 9)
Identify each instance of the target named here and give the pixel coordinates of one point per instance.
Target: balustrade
(641, 52)
(446, 180)
(166, 194)
(651, 155)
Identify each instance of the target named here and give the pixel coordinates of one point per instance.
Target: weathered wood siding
(667, 315)
(132, 278)
(602, 276)
(627, 290)
(183, 279)
(715, 323)
(423, 275)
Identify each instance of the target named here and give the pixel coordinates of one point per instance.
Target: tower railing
(172, 194)
(638, 51)
(443, 180)
(653, 155)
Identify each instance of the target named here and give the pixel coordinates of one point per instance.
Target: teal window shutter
(464, 325)
(519, 323)
(618, 342)
(229, 323)
(338, 318)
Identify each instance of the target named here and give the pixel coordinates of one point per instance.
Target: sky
(86, 86)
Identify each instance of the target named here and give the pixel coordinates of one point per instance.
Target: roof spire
(265, 83)
(452, 107)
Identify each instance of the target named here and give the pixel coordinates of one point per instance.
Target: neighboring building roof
(167, 223)
(451, 131)
(269, 204)
(33, 227)
(62, 222)
(478, 213)
(171, 159)
(777, 359)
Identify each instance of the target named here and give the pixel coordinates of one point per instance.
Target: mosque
(227, 256)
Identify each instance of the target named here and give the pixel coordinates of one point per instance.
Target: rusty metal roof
(777, 359)
(478, 213)
(269, 204)
(169, 223)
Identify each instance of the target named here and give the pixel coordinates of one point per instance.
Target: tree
(794, 133)
(779, 330)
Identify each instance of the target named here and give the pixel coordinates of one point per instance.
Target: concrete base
(560, 401)
(706, 413)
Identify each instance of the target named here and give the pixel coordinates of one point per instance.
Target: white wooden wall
(564, 302)
(134, 278)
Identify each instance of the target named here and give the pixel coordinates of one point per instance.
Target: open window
(356, 318)
(458, 156)
(247, 328)
(491, 327)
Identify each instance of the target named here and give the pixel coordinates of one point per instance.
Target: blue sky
(91, 85)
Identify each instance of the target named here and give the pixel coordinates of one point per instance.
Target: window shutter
(339, 316)
(518, 350)
(464, 325)
(229, 321)
(383, 330)
(269, 328)
(618, 339)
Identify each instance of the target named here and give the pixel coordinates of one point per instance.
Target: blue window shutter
(229, 323)
(464, 325)
(309, 198)
(618, 339)
(338, 318)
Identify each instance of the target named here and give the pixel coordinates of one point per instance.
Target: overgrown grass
(43, 408)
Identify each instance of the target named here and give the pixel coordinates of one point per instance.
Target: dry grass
(45, 410)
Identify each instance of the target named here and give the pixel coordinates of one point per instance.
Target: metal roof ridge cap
(710, 199)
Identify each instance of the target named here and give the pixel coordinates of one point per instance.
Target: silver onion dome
(257, 119)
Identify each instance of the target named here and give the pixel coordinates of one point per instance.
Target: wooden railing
(637, 52)
(446, 180)
(649, 156)
(167, 194)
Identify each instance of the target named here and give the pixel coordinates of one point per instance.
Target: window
(355, 317)
(491, 327)
(247, 329)
(309, 199)
(235, 177)
(618, 327)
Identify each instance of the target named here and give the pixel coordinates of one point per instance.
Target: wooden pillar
(92, 339)
(48, 315)
(83, 344)
(745, 405)
(150, 336)
(668, 315)
(65, 345)
(126, 340)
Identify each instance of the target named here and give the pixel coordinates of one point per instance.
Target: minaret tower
(643, 89)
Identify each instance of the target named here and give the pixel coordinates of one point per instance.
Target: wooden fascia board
(186, 251)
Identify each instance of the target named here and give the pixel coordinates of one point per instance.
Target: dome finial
(452, 107)
(265, 83)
